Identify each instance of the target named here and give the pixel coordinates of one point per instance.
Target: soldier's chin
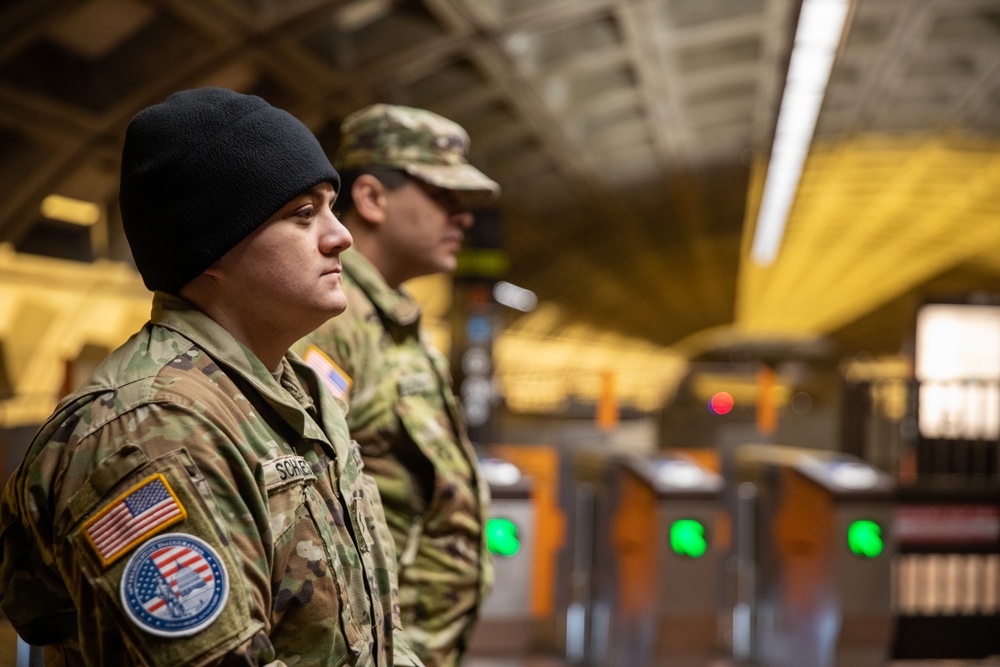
(339, 308)
(336, 304)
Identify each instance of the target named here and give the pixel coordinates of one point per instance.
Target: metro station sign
(947, 524)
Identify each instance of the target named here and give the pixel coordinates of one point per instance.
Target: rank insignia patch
(335, 379)
(145, 509)
(174, 585)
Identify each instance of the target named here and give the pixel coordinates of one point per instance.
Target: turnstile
(814, 544)
(657, 575)
(504, 621)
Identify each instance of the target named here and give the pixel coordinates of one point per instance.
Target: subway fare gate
(814, 540)
(658, 576)
(505, 619)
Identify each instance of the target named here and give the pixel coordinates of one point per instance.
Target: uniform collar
(184, 318)
(398, 305)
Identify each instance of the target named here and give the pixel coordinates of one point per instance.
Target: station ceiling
(630, 138)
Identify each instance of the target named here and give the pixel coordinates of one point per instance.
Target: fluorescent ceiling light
(821, 24)
(67, 209)
(515, 297)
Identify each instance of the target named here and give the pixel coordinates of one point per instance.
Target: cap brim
(465, 178)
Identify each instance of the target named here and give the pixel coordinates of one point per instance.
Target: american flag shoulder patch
(336, 380)
(143, 510)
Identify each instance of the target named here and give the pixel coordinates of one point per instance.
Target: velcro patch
(174, 585)
(144, 510)
(336, 380)
(285, 470)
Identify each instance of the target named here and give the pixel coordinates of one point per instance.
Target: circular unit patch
(174, 585)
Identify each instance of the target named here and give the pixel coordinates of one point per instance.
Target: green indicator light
(687, 537)
(501, 537)
(865, 538)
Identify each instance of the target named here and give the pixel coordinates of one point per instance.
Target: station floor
(8, 651)
(544, 661)
(554, 661)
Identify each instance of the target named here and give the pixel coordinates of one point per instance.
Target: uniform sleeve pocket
(163, 569)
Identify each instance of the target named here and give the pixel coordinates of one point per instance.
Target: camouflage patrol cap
(421, 143)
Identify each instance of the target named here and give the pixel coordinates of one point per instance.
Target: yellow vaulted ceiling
(873, 218)
(543, 359)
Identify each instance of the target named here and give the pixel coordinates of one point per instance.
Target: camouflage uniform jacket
(265, 487)
(406, 419)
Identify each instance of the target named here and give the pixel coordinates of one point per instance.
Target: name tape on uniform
(285, 470)
(418, 383)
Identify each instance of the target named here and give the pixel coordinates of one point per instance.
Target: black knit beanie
(201, 171)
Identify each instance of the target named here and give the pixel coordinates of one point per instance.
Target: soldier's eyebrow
(314, 191)
(318, 192)
(315, 194)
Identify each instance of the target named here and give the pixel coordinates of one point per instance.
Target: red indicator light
(721, 403)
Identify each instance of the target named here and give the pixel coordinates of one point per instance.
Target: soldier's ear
(369, 196)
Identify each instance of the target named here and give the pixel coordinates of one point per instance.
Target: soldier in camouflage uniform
(407, 194)
(199, 501)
